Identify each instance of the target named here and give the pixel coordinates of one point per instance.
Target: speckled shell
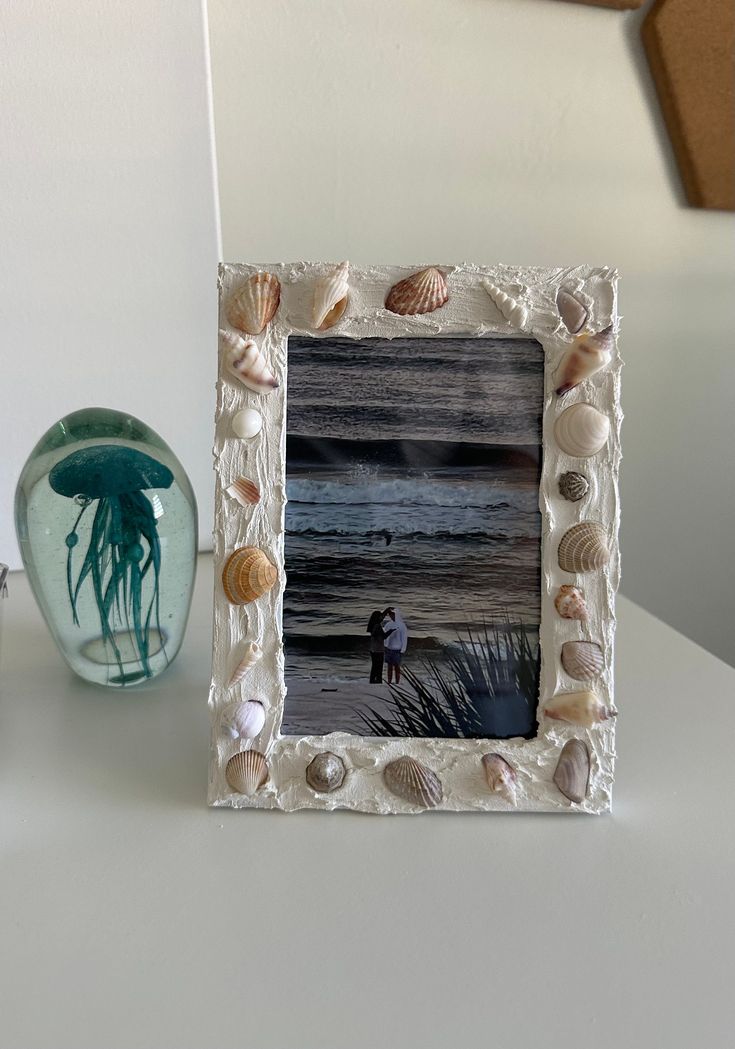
(251, 654)
(573, 486)
(246, 772)
(581, 431)
(252, 306)
(586, 356)
(570, 603)
(409, 779)
(325, 772)
(573, 313)
(247, 575)
(243, 720)
(422, 292)
(330, 297)
(247, 423)
(584, 548)
(572, 775)
(500, 775)
(582, 660)
(245, 361)
(245, 491)
(577, 708)
(513, 311)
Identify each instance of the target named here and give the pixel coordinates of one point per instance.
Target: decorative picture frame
(569, 764)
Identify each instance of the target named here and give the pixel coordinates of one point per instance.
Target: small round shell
(325, 772)
(570, 603)
(422, 292)
(251, 654)
(246, 772)
(573, 486)
(253, 305)
(409, 779)
(581, 431)
(243, 720)
(500, 775)
(582, 660)
(330, 297)
(247, 575)
(247, 423)
(584, 548)
(572, 773)
(577, 708)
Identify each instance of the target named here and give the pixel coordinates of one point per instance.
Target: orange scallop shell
(247, 575)
(422, 292)
(253, 305)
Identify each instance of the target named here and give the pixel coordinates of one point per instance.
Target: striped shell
(572, 775)
(252, 306)
(245, 361)
(245, 491)
(573, 312)
(570, 603)
(422, 292)
(514, 312)
(409, 779)
(247, 575)
(573, 486)
(577, 708)
(243, 720)
(247, 423)
(252, 653)
(500, 776)
(581, 431)
(330, 297)
(325, 772)
(582, 660)
(246, 772)
(586, 356)
(583, 548)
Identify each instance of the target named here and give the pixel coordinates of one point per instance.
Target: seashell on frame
(513, 312)
(246, 772)
(243, 720)
(577, 708)
(584, 548)
(325, 772)
(246, 362)
(247, 575)
(572, 774)
(572, 311)
(422, 292)
(573, 486)
(587, 355)
(500, 775)
(581, 431)
(252, 306)
(330, 297)
(247, 423)
(244, 491)
(582, 660)
(570, 603)
(252, 653)
(413, 782)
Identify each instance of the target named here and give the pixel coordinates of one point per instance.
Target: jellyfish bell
(105, 470)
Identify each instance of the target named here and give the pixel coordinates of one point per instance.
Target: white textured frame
(469, 312)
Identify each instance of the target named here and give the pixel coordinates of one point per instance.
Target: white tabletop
(133, 916)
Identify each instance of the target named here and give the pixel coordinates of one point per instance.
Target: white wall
(108, 233)
(518, 131)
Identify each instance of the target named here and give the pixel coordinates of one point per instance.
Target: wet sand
(310, 705)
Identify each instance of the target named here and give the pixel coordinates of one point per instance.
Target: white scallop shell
(251, 654)
(581, 431)
(330, 297)
(243, 720)
(247, 423)
(245, 361)
(582, 660)
(513, 311)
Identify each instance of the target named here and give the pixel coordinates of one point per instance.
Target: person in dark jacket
(378, 634)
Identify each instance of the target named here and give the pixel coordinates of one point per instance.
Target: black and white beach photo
(413, 537)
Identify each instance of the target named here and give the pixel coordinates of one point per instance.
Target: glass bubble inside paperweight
(107, 525)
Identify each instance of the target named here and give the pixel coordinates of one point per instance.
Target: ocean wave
(364, 487)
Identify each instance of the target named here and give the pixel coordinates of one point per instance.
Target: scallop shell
(501, 776)
(252, 306)
(513, 311)
(247, 363)
(578, 708)
(247, 423)
(325, 772)
(570, 603)
(573, 486)
(247, 575)
(330, 297)
(422, 292)
(246, 772)
(572, 775)
(409, 779)
(581, 430)
(245, 491)
(583, 548)
(243, 720)
(573, 312)
(586, 355)
(252, 653)
(582, 660)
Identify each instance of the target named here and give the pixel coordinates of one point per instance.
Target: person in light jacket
(395, 644)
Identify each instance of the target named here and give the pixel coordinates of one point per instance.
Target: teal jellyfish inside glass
(107, 525)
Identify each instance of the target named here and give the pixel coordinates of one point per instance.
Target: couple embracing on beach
(388, 641)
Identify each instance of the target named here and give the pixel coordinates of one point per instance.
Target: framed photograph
(415, 538)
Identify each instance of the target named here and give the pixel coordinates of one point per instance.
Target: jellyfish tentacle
(69, 557)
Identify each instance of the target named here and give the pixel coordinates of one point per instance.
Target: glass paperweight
(107, 525)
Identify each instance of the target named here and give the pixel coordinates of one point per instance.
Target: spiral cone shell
(572, 775)
(243, 720)
(246, 772)
(587, 355)
(581, 431)
(570, 603)
(250, 657)
(514, 312)
(409, 779)
(573, 313)
(583, 548)
(247, 363)
(582, 660)
(245, 491)
(422, 292)
(500, 775)
(247, 575)
(330, 297)
(253, 305)
(577, 708)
